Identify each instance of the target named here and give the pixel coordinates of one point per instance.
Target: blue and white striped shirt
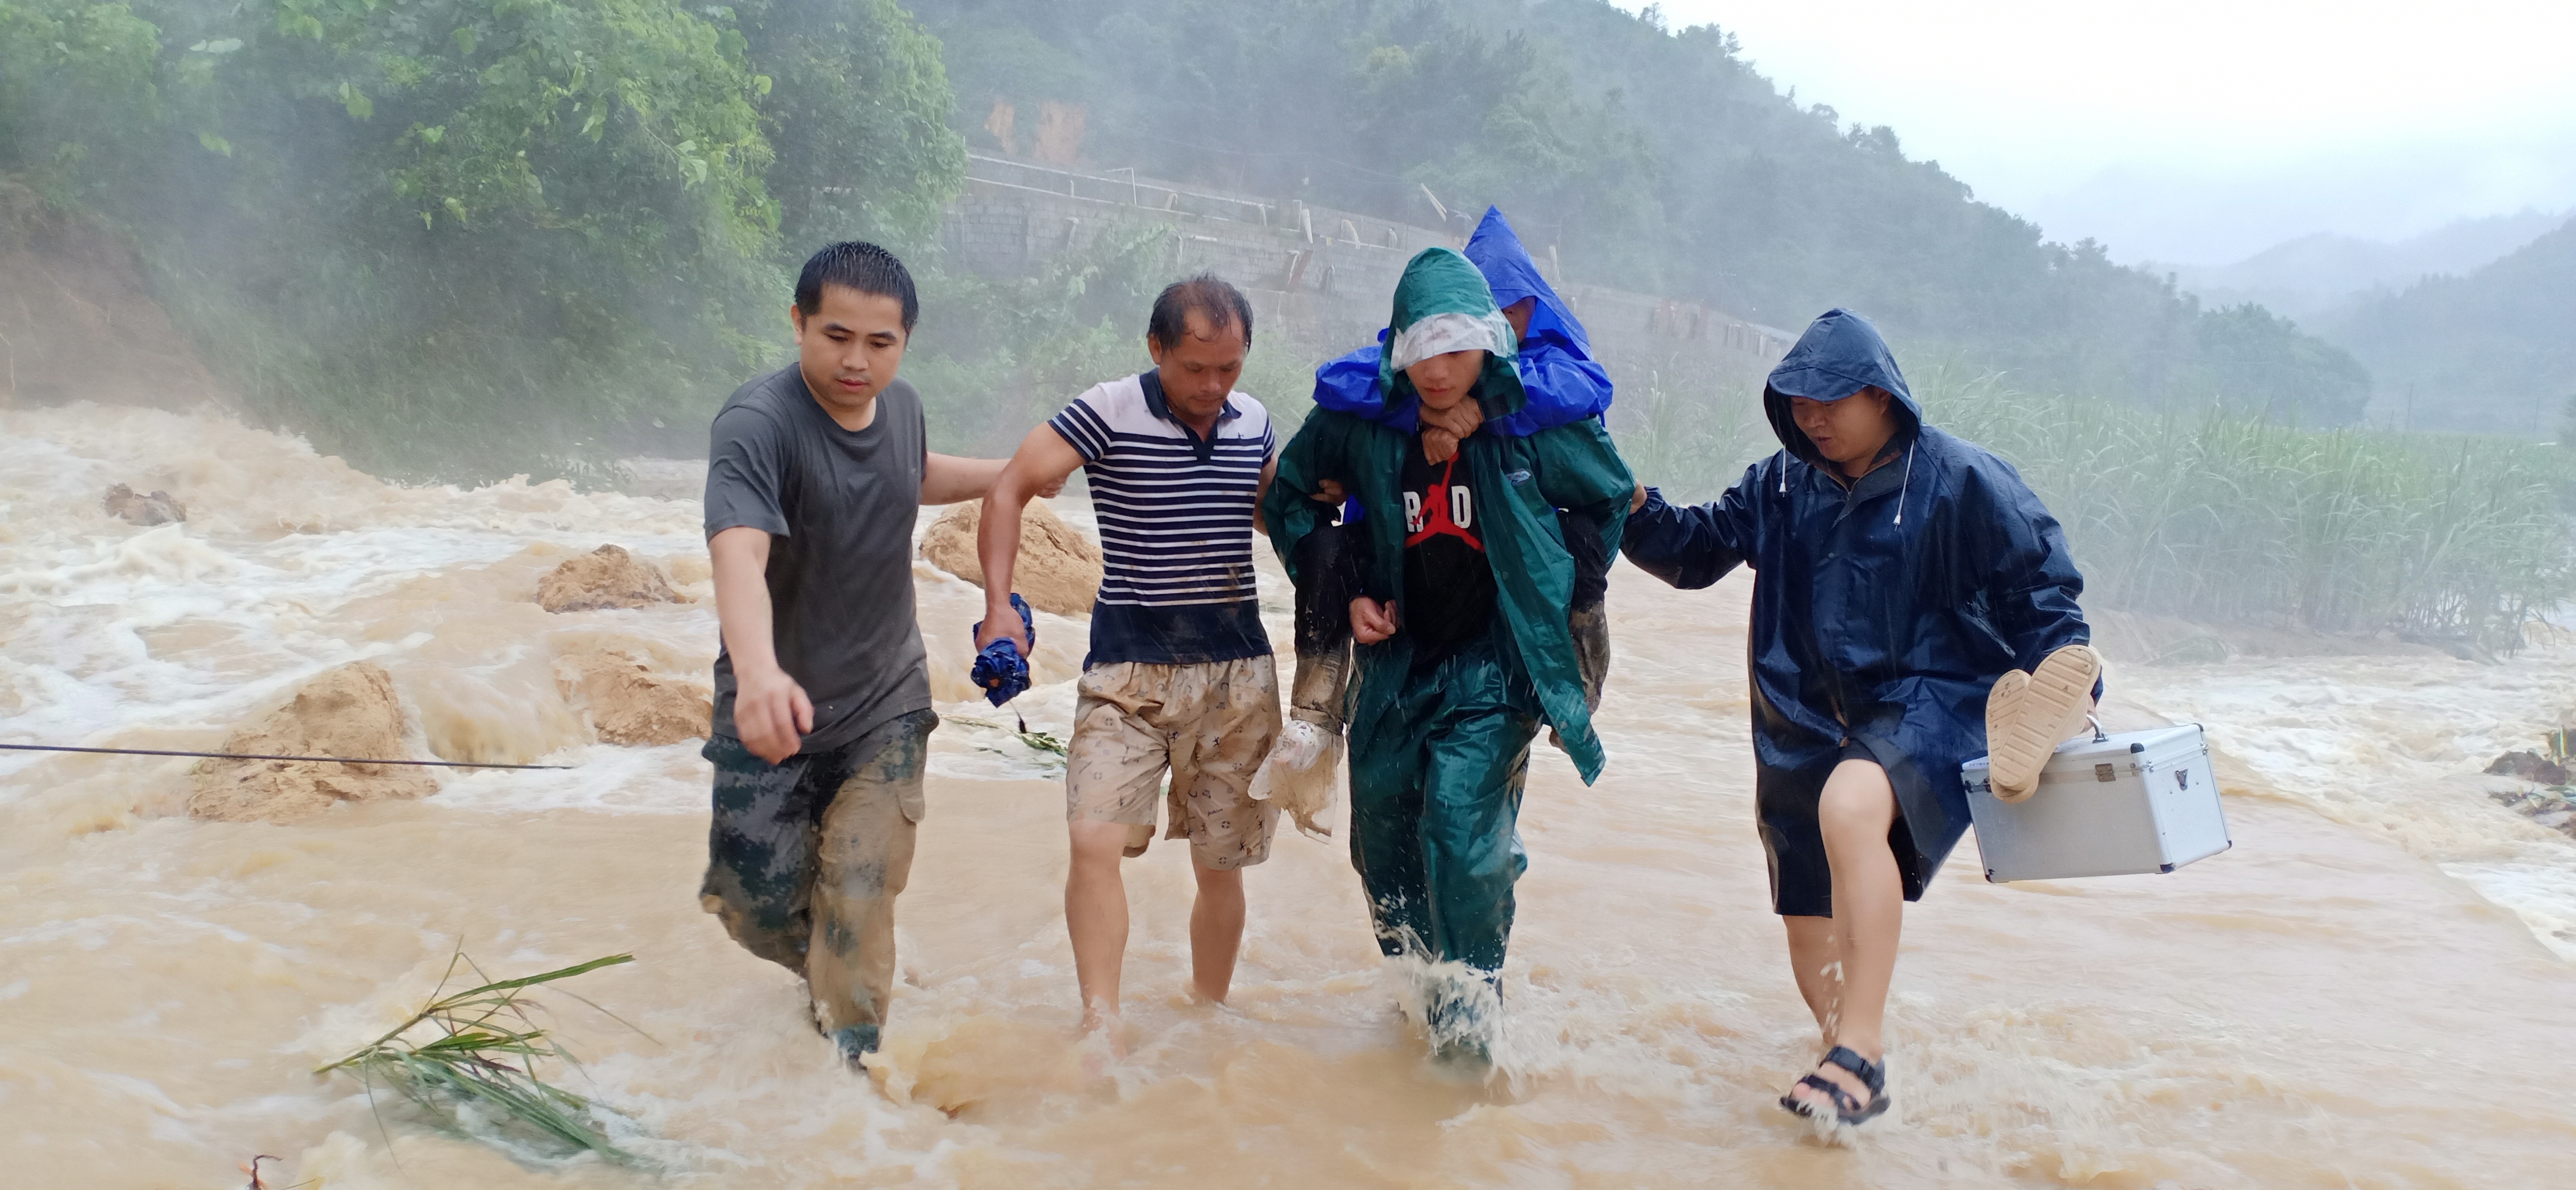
(1175, 515)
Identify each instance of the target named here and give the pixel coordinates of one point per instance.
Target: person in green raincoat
(1462, 581)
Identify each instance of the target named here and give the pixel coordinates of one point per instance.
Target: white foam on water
(2322, 1005)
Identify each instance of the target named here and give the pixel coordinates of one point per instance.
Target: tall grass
(2457, 540)
(2453, 539)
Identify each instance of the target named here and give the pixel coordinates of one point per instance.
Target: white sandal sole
(2029, 715)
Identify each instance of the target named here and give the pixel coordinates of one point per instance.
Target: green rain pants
(1435, 808)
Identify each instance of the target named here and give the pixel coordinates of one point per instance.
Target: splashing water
(2353, 996)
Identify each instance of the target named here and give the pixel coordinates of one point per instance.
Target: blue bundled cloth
(1000, 669)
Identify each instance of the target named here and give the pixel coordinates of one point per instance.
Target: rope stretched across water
(437, 764)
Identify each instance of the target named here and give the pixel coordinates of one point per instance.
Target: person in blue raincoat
(1899, 574)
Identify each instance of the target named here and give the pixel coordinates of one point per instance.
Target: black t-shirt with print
(1448, 585)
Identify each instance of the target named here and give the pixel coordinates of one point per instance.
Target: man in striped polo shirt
(1180, 675)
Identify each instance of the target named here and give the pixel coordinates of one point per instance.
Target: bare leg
(1855, 812)
(1816, 959)
(1216, 930)
(1095, 915)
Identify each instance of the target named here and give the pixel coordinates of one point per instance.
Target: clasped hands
(1442, 430)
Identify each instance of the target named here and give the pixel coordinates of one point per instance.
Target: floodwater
(2363, 993)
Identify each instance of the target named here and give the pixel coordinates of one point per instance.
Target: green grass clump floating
(475, 1053)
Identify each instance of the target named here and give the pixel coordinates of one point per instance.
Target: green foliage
(1685, 432)
(463, 238)
(2213, 515)
(858, 115)
(1656, 160)
(2233, 518)
(470, 1058)
(992, 358)
(75, 78)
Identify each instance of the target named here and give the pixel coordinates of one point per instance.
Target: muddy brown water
(2370, 990)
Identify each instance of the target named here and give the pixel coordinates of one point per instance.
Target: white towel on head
(1441, 334)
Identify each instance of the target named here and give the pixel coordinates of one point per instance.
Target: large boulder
(630, 704)
(605, 577)
(350, 711)
(1058, 569)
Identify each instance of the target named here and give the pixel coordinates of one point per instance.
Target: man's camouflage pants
(805, 858)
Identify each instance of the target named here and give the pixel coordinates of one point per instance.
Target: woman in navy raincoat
(1899, 573)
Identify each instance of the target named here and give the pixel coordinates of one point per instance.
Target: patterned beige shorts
(1210, 724)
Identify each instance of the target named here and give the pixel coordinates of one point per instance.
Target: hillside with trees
(1656, 160)
(462, 239)
(459, 239)
(2491, 351)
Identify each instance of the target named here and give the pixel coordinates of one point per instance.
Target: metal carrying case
(2139, 801)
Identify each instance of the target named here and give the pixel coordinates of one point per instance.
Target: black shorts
(1802, 882)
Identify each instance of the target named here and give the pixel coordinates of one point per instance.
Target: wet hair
(860, 266)
(1210, 297)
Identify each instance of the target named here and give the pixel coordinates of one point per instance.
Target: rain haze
(2199, 132)
(1719, 446)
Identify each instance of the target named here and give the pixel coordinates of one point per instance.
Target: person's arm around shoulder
(2017, 547)
(1039, 468)
(770, 710)
(1693, 547)
(951, 479)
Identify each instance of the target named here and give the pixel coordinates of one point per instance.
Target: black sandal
(1846, 1108)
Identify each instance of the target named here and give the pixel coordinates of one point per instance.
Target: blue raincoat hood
(1497, 252)
(1841, 354)
(1562, 382)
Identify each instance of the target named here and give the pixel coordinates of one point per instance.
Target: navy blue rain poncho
(1882, 613)
(1564, 383)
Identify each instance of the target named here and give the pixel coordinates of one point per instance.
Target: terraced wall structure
(1324, 277)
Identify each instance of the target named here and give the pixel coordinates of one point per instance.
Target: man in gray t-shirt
(815, 475)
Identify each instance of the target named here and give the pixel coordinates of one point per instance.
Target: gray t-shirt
(839, 506)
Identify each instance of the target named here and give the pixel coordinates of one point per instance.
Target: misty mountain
(2310, 275)
(2493, 350)
(1653, 159)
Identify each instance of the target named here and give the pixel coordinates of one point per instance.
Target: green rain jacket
(1572, 467)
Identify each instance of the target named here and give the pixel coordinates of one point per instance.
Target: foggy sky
(2197, 131)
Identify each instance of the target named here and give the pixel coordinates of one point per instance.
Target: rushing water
(2361, 993)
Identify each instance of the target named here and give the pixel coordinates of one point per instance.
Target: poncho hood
(1497, 253)
(1439, 282)
(1841, 354)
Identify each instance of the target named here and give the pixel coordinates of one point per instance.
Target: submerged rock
(350, 711)
(159, 508)
(2530, 766)
(630, 704)
(603, 578)
(1058, 568)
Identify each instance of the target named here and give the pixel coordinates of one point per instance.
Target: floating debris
(475, 1053)
(2550, 801)
(2530, 766)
